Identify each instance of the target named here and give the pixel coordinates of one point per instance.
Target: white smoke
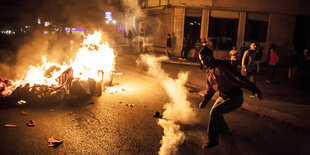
(176, 111)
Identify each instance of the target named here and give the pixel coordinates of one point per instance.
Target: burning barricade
(88, 74)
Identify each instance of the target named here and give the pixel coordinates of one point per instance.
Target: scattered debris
(53, 142)
(20, 102)
(113, 90)
(130, 105)
(10, 125)
(157, 115)
(24, 113)
(31, 123)
(117, 73)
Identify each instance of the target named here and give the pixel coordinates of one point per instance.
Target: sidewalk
(281, 100)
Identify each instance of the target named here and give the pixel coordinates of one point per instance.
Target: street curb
(181, 63)
(275, 114)
(281, 116)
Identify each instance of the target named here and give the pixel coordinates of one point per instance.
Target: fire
(91, 60)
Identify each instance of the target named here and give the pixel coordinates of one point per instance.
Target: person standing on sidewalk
(248, 66)
(233, 57)
(129, 37)
(198, 47)
(187, 47)
(274, 58)
(292, 64)
(168, 45)
(228, 82)
(304, 71)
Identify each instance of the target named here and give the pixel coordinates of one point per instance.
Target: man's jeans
(216, 121)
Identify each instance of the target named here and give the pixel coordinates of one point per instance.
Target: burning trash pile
(88, 74)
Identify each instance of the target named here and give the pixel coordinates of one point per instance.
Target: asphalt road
(122, 123)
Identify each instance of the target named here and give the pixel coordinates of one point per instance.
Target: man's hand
(259, 96)
(202, 104)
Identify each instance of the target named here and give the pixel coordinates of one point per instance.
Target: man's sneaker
(210, 145)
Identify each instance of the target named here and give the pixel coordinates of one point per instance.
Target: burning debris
(10, 126)
(4, 87)
(88, 74)
(24, 113)
(20, 102)
(114, 90)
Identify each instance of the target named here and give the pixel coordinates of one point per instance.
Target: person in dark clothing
(198, 46)
(168, 45)
(222, 77)
(304, 71)
(129, 37)
(204, 49)
(183, 48)
(187, 45)
(293, 61)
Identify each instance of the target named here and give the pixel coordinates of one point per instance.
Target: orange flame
(93, 57)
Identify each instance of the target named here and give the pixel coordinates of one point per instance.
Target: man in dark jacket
(228, 82)
(187, 45)
(168, 45)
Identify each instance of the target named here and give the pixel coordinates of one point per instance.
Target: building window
(255, 30)
(223, 33)
(256, 27)
(192, 27)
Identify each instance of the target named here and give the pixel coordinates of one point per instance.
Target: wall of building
(272, 6)
(281, 32)
(280, 15)
(158, 24)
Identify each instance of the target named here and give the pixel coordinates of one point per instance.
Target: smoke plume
(178, 110)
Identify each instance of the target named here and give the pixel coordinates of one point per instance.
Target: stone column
(241, 29)
(205, 23)
(178, 30)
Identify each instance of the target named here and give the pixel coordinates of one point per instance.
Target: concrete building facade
(225, 22)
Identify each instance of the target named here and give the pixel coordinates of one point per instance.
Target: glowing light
(93, 58)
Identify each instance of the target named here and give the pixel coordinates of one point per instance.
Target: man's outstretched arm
(210, 93)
